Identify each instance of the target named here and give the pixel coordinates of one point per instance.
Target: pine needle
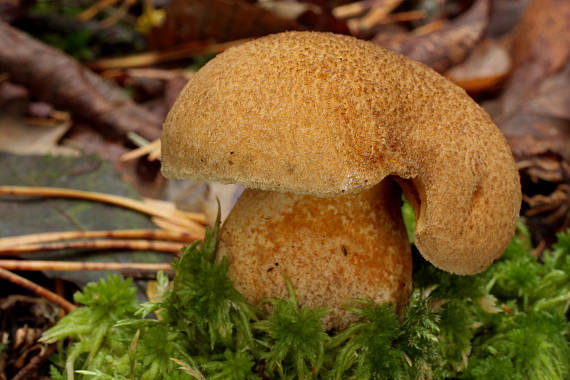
(149, 148)
(48, 265)
(92, 11)
(97, 244)
(169, 225)
(192, 221)
(168, 55)
(37, 289)
(13, 241)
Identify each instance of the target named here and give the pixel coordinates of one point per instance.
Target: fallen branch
(12, 241)
(37, 289)
(54, 77)
(193, 222)
(67, 266)
(100, 244)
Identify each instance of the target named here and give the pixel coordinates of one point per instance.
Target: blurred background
(86, 84)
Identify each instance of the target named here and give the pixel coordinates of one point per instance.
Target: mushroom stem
(331, 249)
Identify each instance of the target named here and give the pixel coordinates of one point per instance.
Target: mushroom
(324, 130)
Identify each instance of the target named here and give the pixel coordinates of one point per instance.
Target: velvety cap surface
(325, 114)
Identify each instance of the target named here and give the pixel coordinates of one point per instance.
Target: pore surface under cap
(324, 114)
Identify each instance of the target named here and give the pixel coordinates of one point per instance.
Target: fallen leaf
(505, 15)
(536, 118)
(552, 97)
(19, 137)
(446, 46)
(534, 110)
(534, 114)
(541, 42)
(484, 69)
(141, 174)
(216, 20)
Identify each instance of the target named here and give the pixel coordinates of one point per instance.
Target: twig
(378, 13)
(403, 17)
(141, 151)
(155, 154)
(57, 78)
(67, 266)
(168, 55)
(92, 11)
(430, 27)
(116, 234)
(353, 9)
(381, 16)
(191, 221)
(36, 289)
(162, 74)
(99, 244)
(119, 14)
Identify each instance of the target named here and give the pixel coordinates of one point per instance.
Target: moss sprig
(509, 322)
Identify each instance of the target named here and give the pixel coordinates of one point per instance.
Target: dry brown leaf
(534, 110)
(536, 119)
(505, 15)
(484, 69)
(216, 20)
(545, 180)
(446, 46)
(552, 97)
(534, 114)
(541, 43)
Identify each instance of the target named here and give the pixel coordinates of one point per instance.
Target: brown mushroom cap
(323, 114)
